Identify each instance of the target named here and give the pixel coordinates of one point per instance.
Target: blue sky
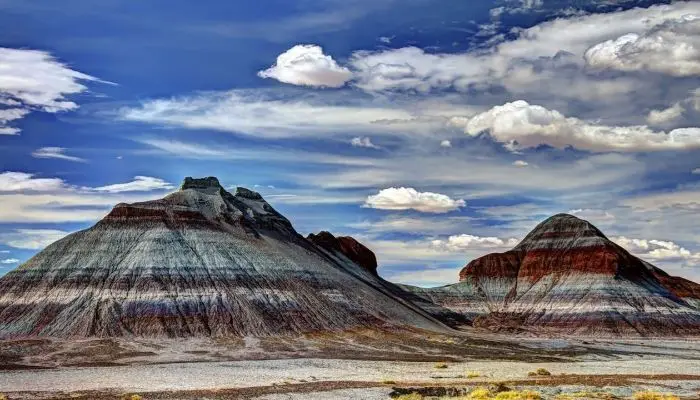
(434, 132)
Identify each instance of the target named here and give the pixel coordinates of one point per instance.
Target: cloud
(403, 198)
(21, 181)
(363, 142)
(32, 239)
(658, 250)
(274, 114)
(33, 80)
(516, 64)
(671, 47)
(533, 125)
(445, 143)
(27, 199)
(139, 184)
(412, 225)
(426, 277)
(463, 242)
(665, 116)
(696, 171)
(9, 261)
(594, 215)
(520, 163)
(55, 152)
(307, 65)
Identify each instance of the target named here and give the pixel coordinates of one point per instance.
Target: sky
(432, 131)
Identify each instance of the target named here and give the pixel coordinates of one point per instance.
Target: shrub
(3, 397)
(539, 372)
(473, 374)
(441, 365)
(515, 395)
(650, 395)
(388, 382)
(480, 393)
(130, 397)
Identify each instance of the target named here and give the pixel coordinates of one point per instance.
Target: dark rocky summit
(200, 262)
(348, 247)
(566, 277)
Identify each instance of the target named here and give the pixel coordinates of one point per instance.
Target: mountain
(566, 277)
(201, 262)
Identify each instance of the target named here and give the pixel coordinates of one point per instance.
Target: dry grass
(440, 365)
(480, 393)
(649, 395)
(3, 397)
(389, 382)
(473, 374)
(585, 395)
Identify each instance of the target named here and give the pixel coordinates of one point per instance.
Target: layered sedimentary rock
(201, 261)
(567, 277)
(347, 247)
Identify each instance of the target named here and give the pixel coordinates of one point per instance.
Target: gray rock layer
(201, 261)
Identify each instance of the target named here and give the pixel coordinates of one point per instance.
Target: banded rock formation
(199, 262)
(566, 277)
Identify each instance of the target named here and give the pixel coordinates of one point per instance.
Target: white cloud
(363, 142)
(386, 39)
(594, 215)
(20, 181)
(307, 65)
(520, 163)
(665, 116)
(658, 250)
(671, 47)
(33, 239)
(413, 225)
(463, 242)
(696, 171)
(533, 125)
(9, 261)
(34, 80)
(403, 198)
(268, 114)
(139, 184)
(411, 68)
(55, 152)
(445, 143)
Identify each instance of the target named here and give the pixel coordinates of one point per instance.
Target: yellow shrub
(130, 397)
(649, 395)
(473, 374)
(515, 395)
(479, 393)
(539, 372)
(388, 382)
(3, 397)
(441, 365)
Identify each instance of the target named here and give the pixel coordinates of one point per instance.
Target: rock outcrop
(566, 277)
(199, 262)
(348, 247)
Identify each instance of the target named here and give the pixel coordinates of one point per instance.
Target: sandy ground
(279, 373)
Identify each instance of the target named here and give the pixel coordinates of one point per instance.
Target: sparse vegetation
(127, 397)
(518, 395)
(650, 395)
(473, 374)
(3, 397)
(388, 382)
(480, 393)
(441, 365)
(585, 395)
(539, 372)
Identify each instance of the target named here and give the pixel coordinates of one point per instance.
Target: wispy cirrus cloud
(58, 153)
(33, 80)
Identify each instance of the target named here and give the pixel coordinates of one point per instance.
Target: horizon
(432, 135)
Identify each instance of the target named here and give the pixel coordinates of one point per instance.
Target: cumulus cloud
(55, 152)
(403, 198)
(463, 242)
(307, 65)
(445, 143)
(658, 250)
(9, 261)
(363, 142)
(533, 125)
(139, 184)
(665, 116)
(33, 80)
(671, 47)
(32, 239)
(520, 163)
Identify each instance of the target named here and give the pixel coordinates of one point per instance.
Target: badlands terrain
(207, 294)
